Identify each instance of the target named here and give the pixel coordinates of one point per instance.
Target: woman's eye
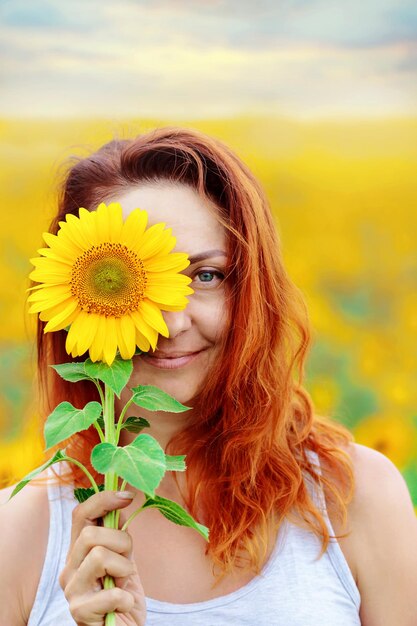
(209, 277)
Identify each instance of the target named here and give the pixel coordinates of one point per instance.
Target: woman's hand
(94, 552)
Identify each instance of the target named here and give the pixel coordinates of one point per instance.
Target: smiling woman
(300, 530)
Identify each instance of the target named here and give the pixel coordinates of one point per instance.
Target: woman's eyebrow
(206, 255)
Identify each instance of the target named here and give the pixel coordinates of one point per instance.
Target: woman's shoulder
(378, 487)
(381, 540)
(379, 490)
(380, 504)
(24, 528)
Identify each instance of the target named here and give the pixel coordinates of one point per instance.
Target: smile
(170, 362)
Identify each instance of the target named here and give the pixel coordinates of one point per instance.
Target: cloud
(30, 15)
(241, 24)
(207, 58)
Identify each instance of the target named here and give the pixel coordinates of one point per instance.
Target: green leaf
(82, 494)
(141, 463)
(65, 420)
(58, 456)
(135, 424)
(154, 399)
(116, 375)
(175, 463)
(175, 513)
(73, 372)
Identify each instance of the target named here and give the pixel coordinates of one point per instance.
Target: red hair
(247, 455)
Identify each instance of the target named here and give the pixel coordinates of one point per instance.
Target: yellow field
(345, 198)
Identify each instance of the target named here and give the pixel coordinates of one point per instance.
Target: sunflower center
(108, 279)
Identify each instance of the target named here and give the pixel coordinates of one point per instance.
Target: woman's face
(180, 363)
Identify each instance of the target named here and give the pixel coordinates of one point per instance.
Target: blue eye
(209, 278)
(206, 277)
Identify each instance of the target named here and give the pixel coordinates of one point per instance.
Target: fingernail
(126, 495)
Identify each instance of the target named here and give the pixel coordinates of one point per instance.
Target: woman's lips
(166, 362)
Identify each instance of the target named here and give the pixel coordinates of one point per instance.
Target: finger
(98, 563)
(90, 609)
(115, 540)
(87, 513)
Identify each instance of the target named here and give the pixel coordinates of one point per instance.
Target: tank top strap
(315, 491)
(50, 598)
(334, 551)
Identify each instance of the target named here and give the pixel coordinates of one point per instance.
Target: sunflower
(108, 281)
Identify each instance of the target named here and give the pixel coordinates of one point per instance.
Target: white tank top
(295, 587)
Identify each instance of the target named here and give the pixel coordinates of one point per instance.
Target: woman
(274, 482)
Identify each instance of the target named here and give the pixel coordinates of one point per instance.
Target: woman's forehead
(192, 218)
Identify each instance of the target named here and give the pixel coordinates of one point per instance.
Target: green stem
(85, 470)
(132, 517)
(100, 391)
(120, 422)
(121, 488)
(110, 481)
(100, 432)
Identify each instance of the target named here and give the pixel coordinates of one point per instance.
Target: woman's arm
(384, 538)
(24, 525)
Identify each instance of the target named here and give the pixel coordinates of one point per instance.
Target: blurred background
(318, 97)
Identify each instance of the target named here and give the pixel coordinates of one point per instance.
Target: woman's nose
(177, 322)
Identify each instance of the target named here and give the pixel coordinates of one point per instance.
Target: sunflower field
(344, 195)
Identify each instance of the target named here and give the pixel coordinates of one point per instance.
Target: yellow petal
(87, 328)
(48, 314)
(51, 264)
(48, 253)
(172, 297)
(121, 344)
(115, 218)
(174, 262)
(102, 223)
(44, 286)
(44, 305)
(69, 237)
(127, 327)
(86, 225)
(142, 342)
(49, 277)
(63, 248)
(178, 306)
(78, 230)
(147, 331)
(96, 350)
(126, 351)
(133, 228)
(50, 291)
(168, 280)
(110, 341)
(167, 247)
(95, 354)
(153, 317)
(72, 336)
(63, 319)
(153, 241)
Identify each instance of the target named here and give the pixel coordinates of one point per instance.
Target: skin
(168, 561)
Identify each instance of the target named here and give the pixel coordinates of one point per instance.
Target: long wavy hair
(257, 438)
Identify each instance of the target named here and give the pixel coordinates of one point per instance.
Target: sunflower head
(108, 280)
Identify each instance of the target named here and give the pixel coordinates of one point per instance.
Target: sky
(196, 59)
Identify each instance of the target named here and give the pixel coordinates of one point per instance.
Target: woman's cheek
(214, 320)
